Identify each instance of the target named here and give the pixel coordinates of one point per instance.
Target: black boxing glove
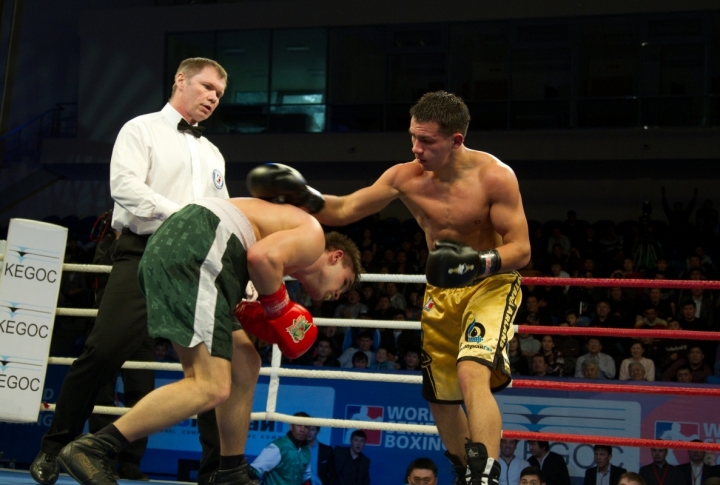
(453, 264)
(281, 184)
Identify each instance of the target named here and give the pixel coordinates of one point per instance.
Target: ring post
(29, 288)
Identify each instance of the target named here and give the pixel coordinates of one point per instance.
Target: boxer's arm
(507, 217)
(298, 247)
(339, 211)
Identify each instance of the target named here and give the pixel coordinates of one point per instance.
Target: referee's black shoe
(44, 468)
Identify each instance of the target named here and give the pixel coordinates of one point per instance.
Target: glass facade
(658, 70)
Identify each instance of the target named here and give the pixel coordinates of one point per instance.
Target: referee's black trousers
(120, 334)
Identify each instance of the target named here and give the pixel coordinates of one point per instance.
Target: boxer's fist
(294, 331)
(251, 316)
(283, 185)
(453, 264)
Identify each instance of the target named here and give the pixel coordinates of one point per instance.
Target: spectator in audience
(397, 341)
(422, 471)
(535, 315)
(351, 465)
(529, 345)
(687, 318)
(557, 237)
(532, 475)
(665, 352)
(553, 358)
(683, 374)
(606, 365)
(538, 366)
(367, 259)
(368, 297)
(660, 472)
(650, 319)
(621, 307)
(397, 300)
(388, 260)
(704, 307)
(706, 221)
(322, 460)
(590, 369)
(324, 354)
(590, 246)
(510, 465)
(662, 266)
(368, 242)
(603, 473)
(411, 359)
(637, 349)
(287, 459)
(695, 471)
(552, 465)
(363, 342)
(637, 372)
(403, 265)
(603, 316)
(414, 309)
(582, 299)
(384, 310)
(631, 478)
(665, 309)
(695, 360)
(352, 306)
(518, 361)
(162, 351)
(382, 361)
(359, 360)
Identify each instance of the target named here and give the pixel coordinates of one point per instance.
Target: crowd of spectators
(675, 248)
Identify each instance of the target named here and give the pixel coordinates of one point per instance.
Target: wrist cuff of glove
(275, 304)
(490, 262)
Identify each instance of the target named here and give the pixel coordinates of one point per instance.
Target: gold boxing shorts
(470, 323)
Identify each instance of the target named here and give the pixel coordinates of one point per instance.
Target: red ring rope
(624, 283)
(624, 388)
(612, 441)
(619, 332)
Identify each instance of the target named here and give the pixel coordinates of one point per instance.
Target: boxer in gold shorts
(470, 323)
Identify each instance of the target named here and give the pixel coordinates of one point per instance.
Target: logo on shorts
(475, 332)
(218, 179)
(299, 328)
(425, 359)
(428, 304)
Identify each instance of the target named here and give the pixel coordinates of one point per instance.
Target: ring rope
(529, 280)
(532, 329)
(417, 379)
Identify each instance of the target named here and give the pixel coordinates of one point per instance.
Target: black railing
(23, 144)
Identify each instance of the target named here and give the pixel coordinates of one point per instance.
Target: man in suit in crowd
(696, 471)
(552, 465)
(603, 473)
(660, 472)
(352, 466)
(322, 464)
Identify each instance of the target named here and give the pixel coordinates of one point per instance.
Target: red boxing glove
(275, 304)
(252, 318)
(294, 330)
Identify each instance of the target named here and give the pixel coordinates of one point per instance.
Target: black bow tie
(185, 126)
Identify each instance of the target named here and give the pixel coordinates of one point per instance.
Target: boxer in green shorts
(194, 272)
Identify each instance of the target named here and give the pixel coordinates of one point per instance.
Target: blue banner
(603, 414)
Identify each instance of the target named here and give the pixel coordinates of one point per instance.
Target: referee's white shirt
(510, 472)
(155, 170)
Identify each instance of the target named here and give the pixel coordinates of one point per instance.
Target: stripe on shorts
(207, 291)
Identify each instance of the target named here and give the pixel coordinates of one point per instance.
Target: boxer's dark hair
(447, 110)
(351, 259)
